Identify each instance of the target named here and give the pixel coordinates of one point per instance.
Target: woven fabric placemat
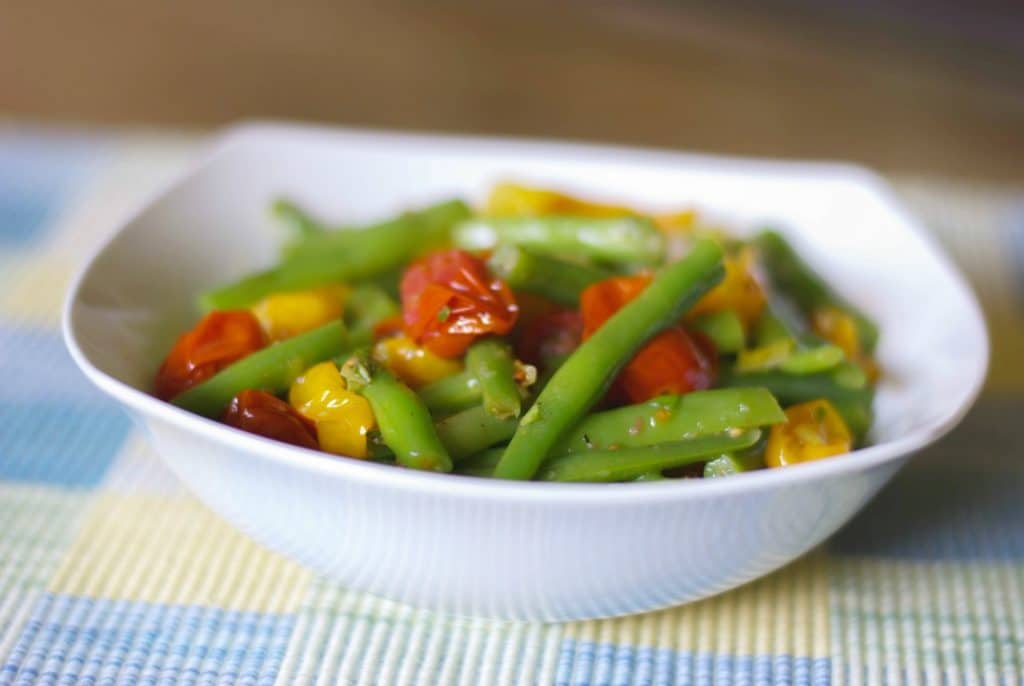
(110, 573)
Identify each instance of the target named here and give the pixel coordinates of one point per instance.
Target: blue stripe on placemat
(58, 442)
(55, 427)
(37, 172)
(587, 663)
(76, 640)
(34, 364)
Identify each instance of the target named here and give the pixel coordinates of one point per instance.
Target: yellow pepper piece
(342, 418)
(813, 430)
(413, 364)
(284, 315)
(510, 199)
(839, 328)
(739, 291)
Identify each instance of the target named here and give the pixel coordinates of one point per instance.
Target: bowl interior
(212, 226)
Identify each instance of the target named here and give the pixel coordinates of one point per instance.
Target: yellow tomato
(413, 364)
(284, 315)
(682, 222)
(739, 291)
(510, 199)
(343, 418)
(839, 328)
(813, 430)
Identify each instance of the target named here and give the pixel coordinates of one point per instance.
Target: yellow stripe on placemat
(173, 550)
(32, 290)
(786, 613)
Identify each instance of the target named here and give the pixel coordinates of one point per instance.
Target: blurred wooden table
(778, 80)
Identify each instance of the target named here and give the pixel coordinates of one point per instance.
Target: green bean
(779, 348)
(812, 360)
(795, 278)
(470, 431)
(732, 463)
(367, 305)
(451, 393)
(653, 475)
(366, 255)
(672, 418)
(272, 369)
(723, 328)
(738, 461)
(388, 282)
(853, 403)
(608, 239)
(559, 280)
(301, 224)
(481, 464)
(771, 329)
(586, 375)
(490, 361)
(628, 463)
(437, 221)
(403, 421)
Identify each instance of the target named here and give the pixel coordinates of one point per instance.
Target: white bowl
(508, 549)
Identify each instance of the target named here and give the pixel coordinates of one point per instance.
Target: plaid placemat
(110, 573)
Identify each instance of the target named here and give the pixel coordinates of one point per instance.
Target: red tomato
(449, 300)
(671, 362)
(219, 339)
(550, 335)
(261, 413)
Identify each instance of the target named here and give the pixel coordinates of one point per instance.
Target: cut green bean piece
(606, 239)
(628, 463)
(451, 393)
(374, 252)
(812, 360)
(490, 361)
(367, 305)
(672, 418)
(471, 431)
(771, 329)
(725, 329)
(794, 278)
(298, 222)
(436, 220)
(583, 379)
(854, 404)
(654, 475)
(732, 463)
(778, 348)
(559, 280)
(746, 460)
(272, 369)
(403, 420)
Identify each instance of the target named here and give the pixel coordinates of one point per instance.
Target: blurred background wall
(908, 87)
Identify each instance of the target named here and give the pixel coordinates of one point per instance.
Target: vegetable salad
(542, 337)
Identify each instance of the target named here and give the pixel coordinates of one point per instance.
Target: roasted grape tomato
(261, 413)
(219, 339)
(550, 336)
(671, 362)
(449, 299)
